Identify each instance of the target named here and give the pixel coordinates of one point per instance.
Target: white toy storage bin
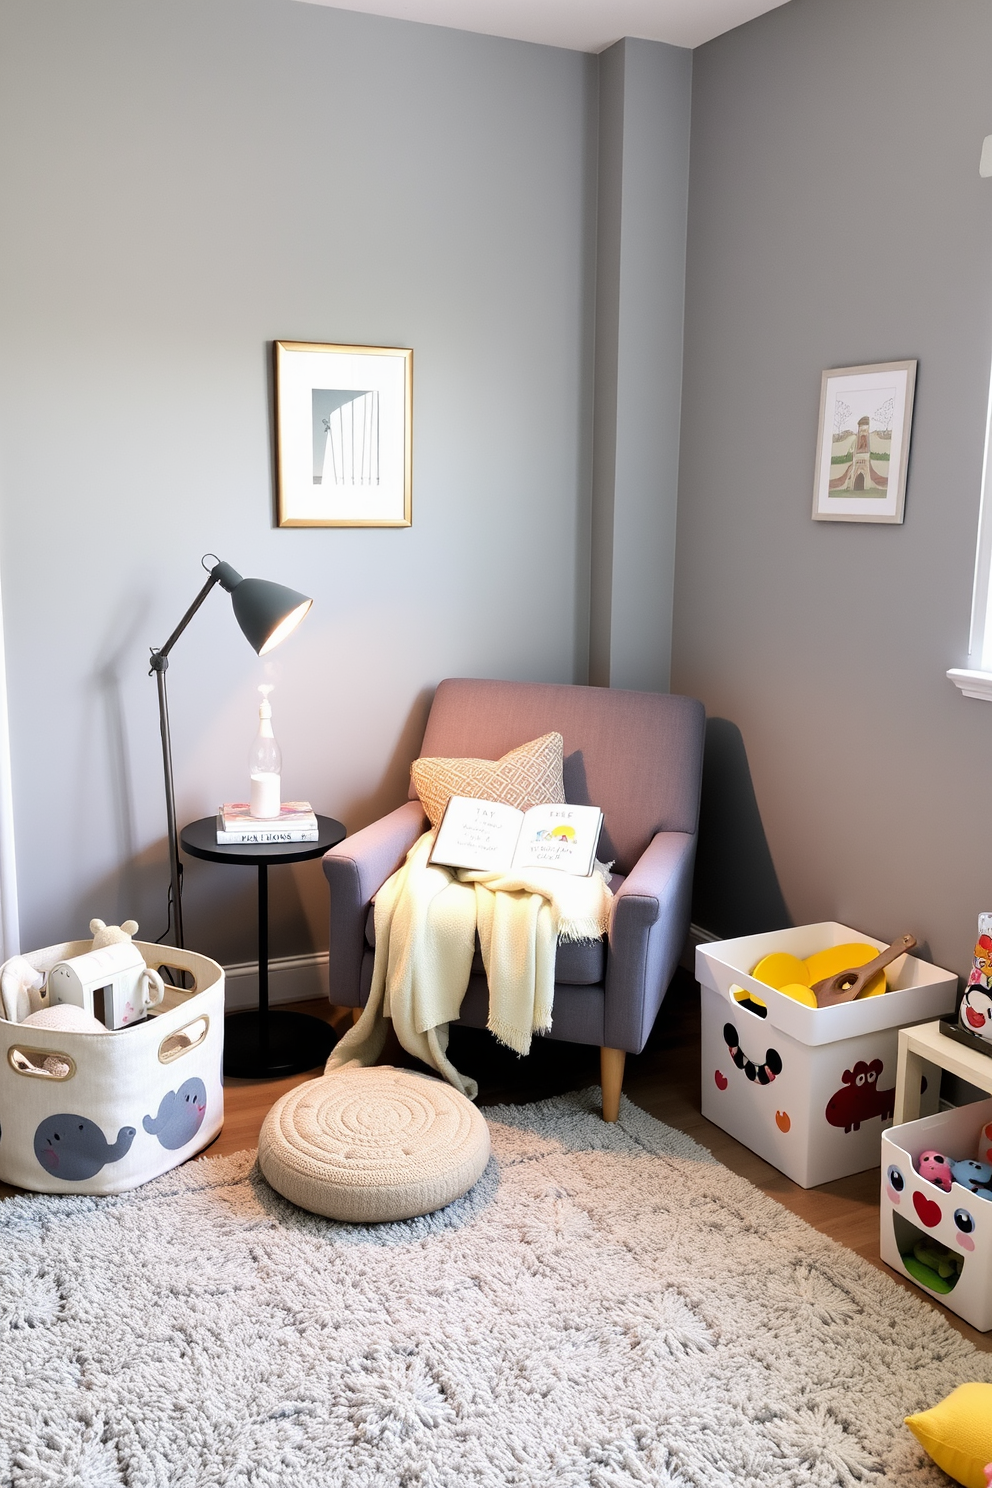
(782, 1114)
(165, 1071)
(921, 1210)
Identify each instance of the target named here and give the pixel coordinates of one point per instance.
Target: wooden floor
(664, 1080)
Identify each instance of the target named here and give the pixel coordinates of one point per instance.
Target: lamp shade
(266, 612)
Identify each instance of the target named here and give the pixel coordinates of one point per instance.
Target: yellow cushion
(957, 1433)
(529, 775)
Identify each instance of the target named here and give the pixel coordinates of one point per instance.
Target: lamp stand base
(265, 1046)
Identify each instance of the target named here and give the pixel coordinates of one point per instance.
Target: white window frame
(976, 681)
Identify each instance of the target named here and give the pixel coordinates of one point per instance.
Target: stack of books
(296, 822)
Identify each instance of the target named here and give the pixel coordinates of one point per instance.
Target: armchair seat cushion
(578, 963)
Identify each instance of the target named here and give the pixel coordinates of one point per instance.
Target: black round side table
(261, 1044)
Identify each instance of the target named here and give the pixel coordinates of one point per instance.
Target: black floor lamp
(267, 613)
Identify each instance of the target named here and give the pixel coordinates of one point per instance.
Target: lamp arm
(158, 666)
(161, 653)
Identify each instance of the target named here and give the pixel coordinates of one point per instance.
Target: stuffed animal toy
(22, 989)
(976, 1176)
(945, 1262)
(935, 1168)
(957, 1433)
(975, 1012)
(104, 935)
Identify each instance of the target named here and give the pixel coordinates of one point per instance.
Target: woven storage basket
(160, 1081)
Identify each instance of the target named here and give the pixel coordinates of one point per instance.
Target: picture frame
(344, 435)
(862, 446)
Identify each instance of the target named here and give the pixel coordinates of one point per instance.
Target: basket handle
(43, 1064)
(182, 1040)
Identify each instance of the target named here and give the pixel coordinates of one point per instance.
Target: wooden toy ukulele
(846, 985)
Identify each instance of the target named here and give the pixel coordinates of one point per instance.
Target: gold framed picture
(344, 435)
(862, 452)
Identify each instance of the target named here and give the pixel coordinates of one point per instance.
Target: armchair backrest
(637, 755)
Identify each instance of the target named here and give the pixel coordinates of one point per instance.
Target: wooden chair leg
(611, 1079)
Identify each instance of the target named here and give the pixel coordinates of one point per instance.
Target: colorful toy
(975, 1012)
(975, 1176)
(957, 1433)
(985, 1144)
(794, 978)
(945, 1262)
(935, 1168)
(846, 985)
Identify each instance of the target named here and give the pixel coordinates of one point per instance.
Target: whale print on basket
(179, 1115)
(73, 1147)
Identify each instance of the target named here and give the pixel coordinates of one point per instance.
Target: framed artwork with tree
(862, 451)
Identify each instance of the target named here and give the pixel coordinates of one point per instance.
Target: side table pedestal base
(259, 1046)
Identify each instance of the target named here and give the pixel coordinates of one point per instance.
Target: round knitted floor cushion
(369, 1145)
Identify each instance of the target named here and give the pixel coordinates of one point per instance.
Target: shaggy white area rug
(607, 1307)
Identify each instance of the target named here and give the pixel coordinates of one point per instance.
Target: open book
(488, 836)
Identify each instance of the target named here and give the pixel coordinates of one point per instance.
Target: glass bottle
(265, 764)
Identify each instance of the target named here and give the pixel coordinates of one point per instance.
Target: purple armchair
(637, 755)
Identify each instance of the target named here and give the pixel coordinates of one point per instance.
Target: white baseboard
(300, 978)
(291, 979)
(697, 936)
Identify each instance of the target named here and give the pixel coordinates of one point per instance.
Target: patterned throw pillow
(529, 775)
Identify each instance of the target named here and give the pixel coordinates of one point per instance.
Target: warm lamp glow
(285, 627)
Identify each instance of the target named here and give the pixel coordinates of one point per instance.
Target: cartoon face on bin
(762, 1072)
(933, 1230)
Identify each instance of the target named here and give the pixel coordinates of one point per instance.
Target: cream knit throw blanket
(426, 919)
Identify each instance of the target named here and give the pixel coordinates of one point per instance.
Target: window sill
(972, 684)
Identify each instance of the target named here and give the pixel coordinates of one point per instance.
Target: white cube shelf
(912, 1209)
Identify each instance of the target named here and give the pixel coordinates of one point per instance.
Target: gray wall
(181, 182)
(644, 101)
(837, 217)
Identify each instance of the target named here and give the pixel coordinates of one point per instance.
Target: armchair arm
(355, 871)
(647, 932)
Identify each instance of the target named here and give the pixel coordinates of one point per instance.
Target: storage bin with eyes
(939, 1238)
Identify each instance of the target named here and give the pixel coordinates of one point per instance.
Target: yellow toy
(957, 1433)
(794, 978)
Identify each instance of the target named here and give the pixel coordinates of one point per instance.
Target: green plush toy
(945, 1262)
